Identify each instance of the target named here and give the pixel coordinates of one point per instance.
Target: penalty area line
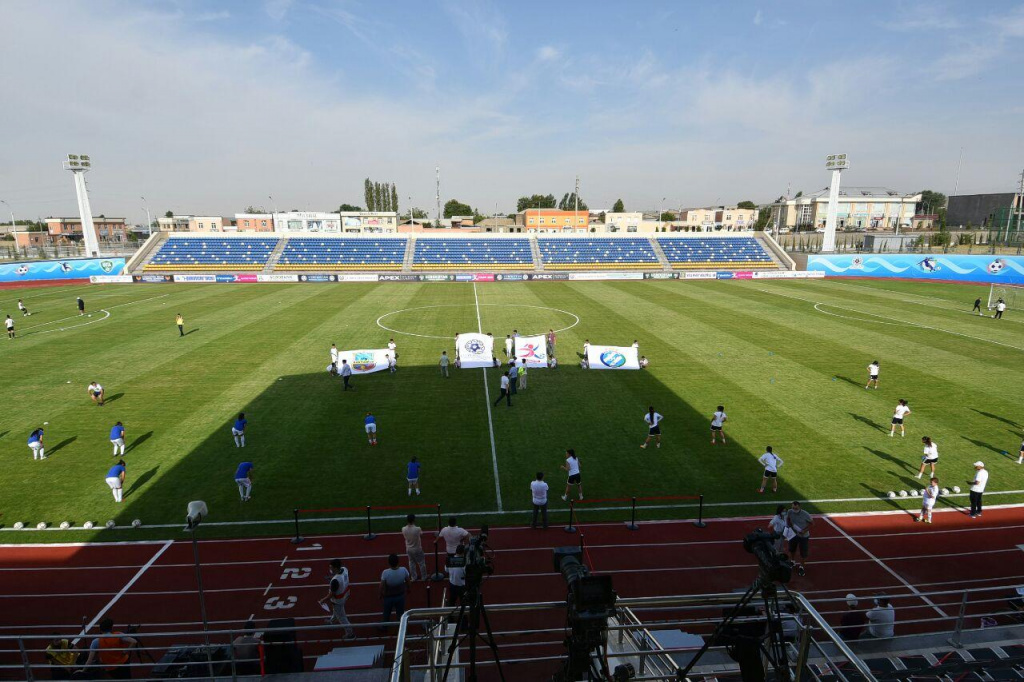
(487, 400)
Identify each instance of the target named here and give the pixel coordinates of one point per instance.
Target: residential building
(210, 224)
(553, 220)
(26, 239)
(254, 222)
(369, 221)
(68, 230)
(178, 223)
(867, 208)
(499, 224)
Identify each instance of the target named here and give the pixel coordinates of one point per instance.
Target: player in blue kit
(35, 443)
(243, 479)
(412, 475)
(370, 423)
(117, 438)
(115, 480)
(238, 430)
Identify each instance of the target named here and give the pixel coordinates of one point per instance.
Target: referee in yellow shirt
(180, 321)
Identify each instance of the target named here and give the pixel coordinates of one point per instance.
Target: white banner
(357, 277)
(195, 278)
(700, 275)
(533, 349)
(110, 279)
(365, 361)
(277, 278)
(474, 350)
(613, 357)
(598, 276)
(787, 274)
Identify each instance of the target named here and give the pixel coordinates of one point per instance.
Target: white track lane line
(487, 399)
(127, 586)
(884, 566)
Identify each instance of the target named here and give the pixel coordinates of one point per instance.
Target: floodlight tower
(79, 165)
(836, 163)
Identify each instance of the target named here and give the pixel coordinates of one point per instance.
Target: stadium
(772, 440)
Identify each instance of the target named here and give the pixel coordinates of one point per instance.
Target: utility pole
(437, 196)
(79, 165)
(149, 218)
(1020, 204)
(13, 226)
(576, 206)
(956, 185)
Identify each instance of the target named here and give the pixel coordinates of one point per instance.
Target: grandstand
(570, 253)
(321, 253)
(715, 252)
(458, 253)
(213, 254)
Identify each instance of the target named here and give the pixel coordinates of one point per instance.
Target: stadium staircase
(775, 250)
(145, 254)
(538, 262)
(660, 253)
(275, 255)
(410, 253)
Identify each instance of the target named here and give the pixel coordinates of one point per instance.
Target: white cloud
(964, 60)
(758, 18)
(277, 9)
(923, 17)
(548, 53)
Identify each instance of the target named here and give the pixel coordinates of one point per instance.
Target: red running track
(55, 589)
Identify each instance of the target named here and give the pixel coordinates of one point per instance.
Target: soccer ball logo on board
(475, 347)
(613, 359)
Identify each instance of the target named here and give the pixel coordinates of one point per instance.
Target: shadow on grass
(893, 502)
(3, 433)
(1010, 422)
(116, 396)
(190, 331)
(852, 382)
(138, 441)
(864, 420)
(61, 445)
(881, 454)
(989, 446)
(141, 480)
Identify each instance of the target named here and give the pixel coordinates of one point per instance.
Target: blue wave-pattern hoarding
(72, 268)
(992, 269)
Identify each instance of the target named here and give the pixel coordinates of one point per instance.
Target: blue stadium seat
(459, 253)
(325, 253)
(715, 252)
(567, 253)
(213, 253)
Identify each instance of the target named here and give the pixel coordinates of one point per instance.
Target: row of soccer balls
(64, 525)
(919, 493)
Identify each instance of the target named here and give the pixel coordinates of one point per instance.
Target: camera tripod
(746, 648)
(474, 599)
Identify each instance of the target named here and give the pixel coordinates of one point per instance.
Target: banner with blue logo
(613, 357)
(992, 269)
(365, 361)
(474, 350)
(77, 268)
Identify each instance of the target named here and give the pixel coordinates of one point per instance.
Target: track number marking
(296, 573)
(277, 603)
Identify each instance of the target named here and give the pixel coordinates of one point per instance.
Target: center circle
(381, 324)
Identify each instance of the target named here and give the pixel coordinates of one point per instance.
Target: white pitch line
(487, 399)
(124, 589)
(881, 563)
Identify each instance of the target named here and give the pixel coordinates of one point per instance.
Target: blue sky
(206, 107)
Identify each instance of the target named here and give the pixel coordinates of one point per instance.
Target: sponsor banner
(787, 274)
(509, 278)
(437, 278)
(365, 361)
(613, 357)
(397, 278)
(474, 350)
(661, 275)
(593, 276)
(318, 278)
(724, 275)
(195, 278)
(77, 268)
(246, 277)
(277, 278)
(988, 269)
(463, 278)
(225, 278)
(358, 277)
(111, 279)
(743, 274)
(548, 276)
(152, 279)
(483, 277)
(699, 275)
(533, 349)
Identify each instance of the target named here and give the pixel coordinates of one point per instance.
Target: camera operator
(456, 577)
(112, 651)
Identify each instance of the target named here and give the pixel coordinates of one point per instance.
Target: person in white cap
(852, 622)
(978, 488)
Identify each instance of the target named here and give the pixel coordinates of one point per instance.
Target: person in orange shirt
(110, 652)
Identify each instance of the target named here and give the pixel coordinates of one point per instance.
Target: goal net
(1012, 295)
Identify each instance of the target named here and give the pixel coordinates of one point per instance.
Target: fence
(9, 251)
(954, 241)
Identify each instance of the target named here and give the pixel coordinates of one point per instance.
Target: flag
(365, 361)
(613, 357)
(533, 349)
(474, 350)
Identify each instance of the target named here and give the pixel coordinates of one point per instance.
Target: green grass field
(787, 359)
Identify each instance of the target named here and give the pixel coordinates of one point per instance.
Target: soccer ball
(903, 493)
(944, 491)
(41, 525)
(956, 488)
(110, 523)
(136, 523)
(890, 494)
(996, 266)
(18, 525)
(64, 525)
(88, 525)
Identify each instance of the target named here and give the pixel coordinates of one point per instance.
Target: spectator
(110, 652)
(247, 650)
(414, 548)
(394, 583)
(62, 658)
(453, 536)
(539, 491)
(851, 625)
(338, 590)
(456, 578)
(881, 619)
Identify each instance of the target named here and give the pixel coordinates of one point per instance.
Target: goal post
(1012, 295)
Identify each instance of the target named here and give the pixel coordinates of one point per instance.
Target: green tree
(253, 209)
(762, 219)
(747, 204)
(394, 198)
(799, 194)
(535, 201)
(368, 195)
(169, 214)
(417, 214)
(668, 217)
(568, 203)
(619, 207)
(349, 208)
(931, 202)
(454, 207)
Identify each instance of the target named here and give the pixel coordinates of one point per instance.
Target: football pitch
(787, 360)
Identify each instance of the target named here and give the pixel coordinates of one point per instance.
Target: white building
(867, 208)
(369, 221)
